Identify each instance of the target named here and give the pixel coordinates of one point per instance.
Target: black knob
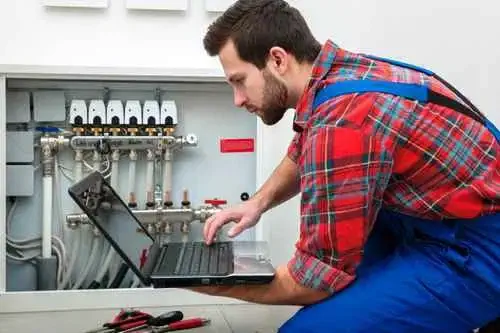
(244, 196)
(169, 121)
(97, 120)
(78, 120)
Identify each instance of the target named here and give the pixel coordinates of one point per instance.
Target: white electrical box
(115, 113)
(217, 6)
(168, 113)
(158, 4)
(133, 113)
(76, 3)
(78, 113)
(49, 106)
(151, 113)
(18, 107)
(173, 176)
(97, 112)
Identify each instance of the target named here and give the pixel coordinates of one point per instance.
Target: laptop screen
(102, 204)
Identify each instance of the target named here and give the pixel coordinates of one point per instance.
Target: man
(399, 184)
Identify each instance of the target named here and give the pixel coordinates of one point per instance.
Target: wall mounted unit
(175, 5)
(76, 3)
(217, 6)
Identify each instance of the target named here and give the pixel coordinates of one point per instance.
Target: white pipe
(74, 254)
(135, 282)
(150, 176)
(91, 259)
(107, 263)
(47, 217)
(131, 176)
(167, 174)
(97, 161)
(114, 184)
(115, 169)
(78, 166)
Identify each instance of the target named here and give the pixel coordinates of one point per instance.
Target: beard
(274, 102)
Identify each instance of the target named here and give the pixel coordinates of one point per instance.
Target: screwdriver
(182, 325)
(161, 320)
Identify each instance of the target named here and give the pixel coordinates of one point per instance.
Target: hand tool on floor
(181, 325)
(124, 317)
(162, 320)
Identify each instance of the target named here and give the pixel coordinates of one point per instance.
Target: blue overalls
(417, 276)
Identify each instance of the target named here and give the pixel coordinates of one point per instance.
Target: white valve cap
(191, 139)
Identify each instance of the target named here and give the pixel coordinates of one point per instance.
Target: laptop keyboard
(196, 259)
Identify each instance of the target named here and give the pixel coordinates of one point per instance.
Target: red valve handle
(216, 202)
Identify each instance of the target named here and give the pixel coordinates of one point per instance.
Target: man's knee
(295, 324)
(315, 318)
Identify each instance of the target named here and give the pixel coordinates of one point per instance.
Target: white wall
(455, 38)
(33, 34)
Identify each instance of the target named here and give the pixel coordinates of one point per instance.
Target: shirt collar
(321, 67)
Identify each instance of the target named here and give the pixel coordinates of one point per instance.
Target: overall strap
(493, 129)
(417, 92)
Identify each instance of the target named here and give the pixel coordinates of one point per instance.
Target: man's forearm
(282, 185)
(283, 290)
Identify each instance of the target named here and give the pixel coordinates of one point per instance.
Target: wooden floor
(224, 319)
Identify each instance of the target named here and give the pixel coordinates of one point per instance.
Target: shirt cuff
(313, 273)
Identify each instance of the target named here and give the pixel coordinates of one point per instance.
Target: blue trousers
(417, 276)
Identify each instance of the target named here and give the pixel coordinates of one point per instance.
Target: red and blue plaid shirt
(359, 152)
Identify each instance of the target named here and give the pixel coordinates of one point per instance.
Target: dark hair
(255, 26)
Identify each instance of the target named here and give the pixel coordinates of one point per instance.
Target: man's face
(259, 91)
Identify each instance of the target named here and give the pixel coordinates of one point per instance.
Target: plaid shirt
(359, 152)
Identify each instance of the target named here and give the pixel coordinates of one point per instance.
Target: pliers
(131, 320)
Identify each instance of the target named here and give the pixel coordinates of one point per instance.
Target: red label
(237, 145)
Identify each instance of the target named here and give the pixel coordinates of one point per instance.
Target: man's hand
(246, 215)
(283, 290)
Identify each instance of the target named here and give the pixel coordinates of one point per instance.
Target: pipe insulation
(78, 166)
(114, 184)
(47, 217)
(150, 176)
(115, 169)
(167, 175)
(131, 176)
(107, 263)
(96, 244)
(47, 185)
(97, 161)
(74, 254)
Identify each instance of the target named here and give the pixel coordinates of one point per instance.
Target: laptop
(172, 264)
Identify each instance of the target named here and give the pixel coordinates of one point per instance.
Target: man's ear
(278, 59)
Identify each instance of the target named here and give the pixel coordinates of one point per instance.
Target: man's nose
(239, 99)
